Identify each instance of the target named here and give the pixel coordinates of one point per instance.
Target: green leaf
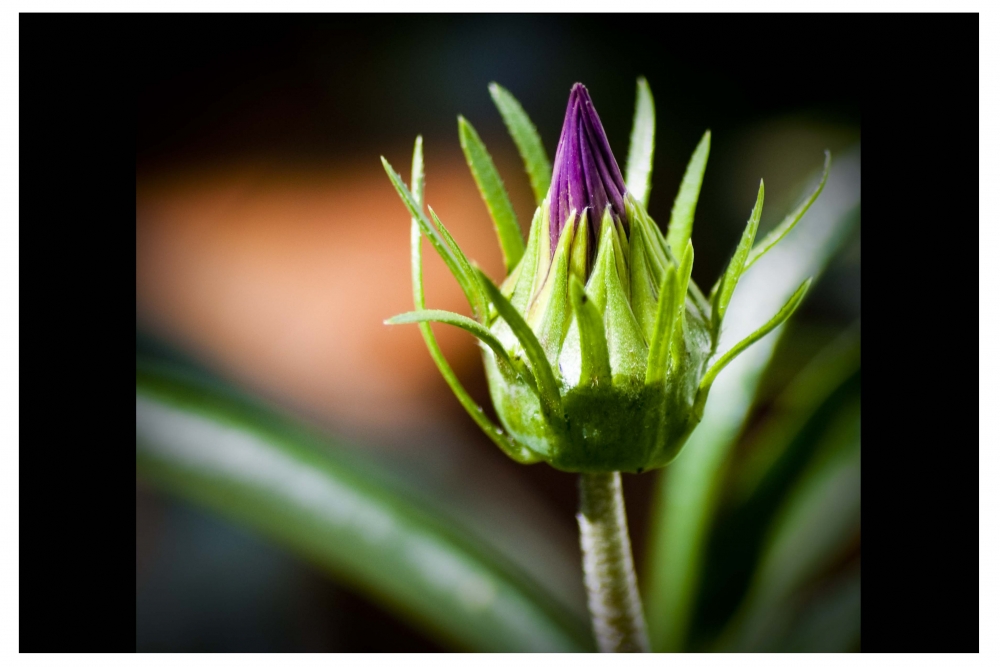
(778, 319)
(471, 326)
(440, 245)
(688, 490)
(529, 144)
(493, 192)
(812, 531)
(682, 215)
(723, 292)
(799, 421)
(548, 389)
(293, 486)
(595, 362)
(640, 148)
(791, 219)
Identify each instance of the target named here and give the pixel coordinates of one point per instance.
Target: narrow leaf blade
(525, 136)
(287, 482)
(640, 150)
(682, 215)
(493, 192)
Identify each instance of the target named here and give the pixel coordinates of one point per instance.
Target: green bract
(597, 345)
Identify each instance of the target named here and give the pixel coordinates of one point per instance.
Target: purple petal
(585, 177)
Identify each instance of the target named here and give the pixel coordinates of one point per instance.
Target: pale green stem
(612, 594)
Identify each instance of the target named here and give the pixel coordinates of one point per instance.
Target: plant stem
(608, 572)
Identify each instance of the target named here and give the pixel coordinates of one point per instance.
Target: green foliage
(688, 491)
(287, 482)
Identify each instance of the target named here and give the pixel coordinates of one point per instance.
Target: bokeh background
(270, 247)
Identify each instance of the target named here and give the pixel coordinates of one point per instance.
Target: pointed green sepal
(548, 389)
(476, 329)
(680, 305)
(454, 264)
(722, 293)
(595, 365)
(779, 318)
(659, 346)
(508, 445)
(640, 149)
(493, 192)
(525, 136)
(791, 219)
(479, 307)
(682, 215)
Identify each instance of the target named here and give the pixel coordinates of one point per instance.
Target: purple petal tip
(585, 175)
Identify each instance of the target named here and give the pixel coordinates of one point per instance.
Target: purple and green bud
(598, 342)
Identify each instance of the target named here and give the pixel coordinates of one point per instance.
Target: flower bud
(597, 344)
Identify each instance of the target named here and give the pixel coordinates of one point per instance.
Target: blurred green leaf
(493, 192)
(208, 446)
(688, 489)
(639, 167)
(797, 424)
(529, 144)
(814, 528)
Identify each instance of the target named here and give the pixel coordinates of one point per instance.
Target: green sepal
(548, 389)
(525, 136)
(659, 345)
(644, 290)
(550, 314)
(680, 305)
(682, 214)
(595, 365)
(518, 285)
(504, 361)
(790, 220)
(507, 445)
(626, 347)
(779, 318)
(722, 293)
(479, 307)
(640, 149)
(465, 281)
(493, 192)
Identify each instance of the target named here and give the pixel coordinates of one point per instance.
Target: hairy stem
(612, 594)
